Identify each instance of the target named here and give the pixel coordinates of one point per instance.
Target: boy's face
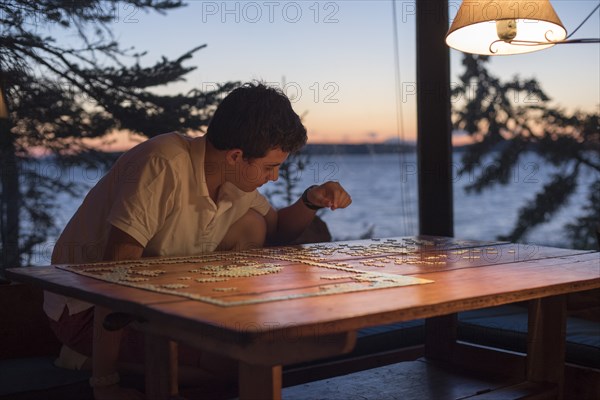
(258, 171)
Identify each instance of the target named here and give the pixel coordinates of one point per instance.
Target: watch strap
(307, 202)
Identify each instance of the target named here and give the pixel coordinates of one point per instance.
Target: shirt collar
(230, 192)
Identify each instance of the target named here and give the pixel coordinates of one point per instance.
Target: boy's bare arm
(121, 246)
(288, 223)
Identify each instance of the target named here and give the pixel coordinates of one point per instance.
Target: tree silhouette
(57, 96)
(507, 119)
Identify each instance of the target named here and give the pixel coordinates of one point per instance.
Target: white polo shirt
(156, 193)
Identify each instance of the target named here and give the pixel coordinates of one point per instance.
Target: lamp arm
(536, 43)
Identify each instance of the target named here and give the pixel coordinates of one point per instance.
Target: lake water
(384, 192)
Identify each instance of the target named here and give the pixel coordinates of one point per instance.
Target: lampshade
(501, 27)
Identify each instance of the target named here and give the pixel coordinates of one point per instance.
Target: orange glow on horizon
(121, 141)
(116, 141)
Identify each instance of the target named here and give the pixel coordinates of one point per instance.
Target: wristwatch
(307, 202)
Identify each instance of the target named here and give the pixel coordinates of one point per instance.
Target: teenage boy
(178, 196)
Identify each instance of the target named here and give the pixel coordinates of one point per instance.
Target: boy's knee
(248, 232)
(254, 227)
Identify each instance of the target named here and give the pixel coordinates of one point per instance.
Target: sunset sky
(337, 57)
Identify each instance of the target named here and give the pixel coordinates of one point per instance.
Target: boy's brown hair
(256, 118)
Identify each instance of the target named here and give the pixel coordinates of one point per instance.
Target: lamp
(502, 27)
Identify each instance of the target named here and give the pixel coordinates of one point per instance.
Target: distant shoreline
(365, 148)
(385, 148)
(355, 148)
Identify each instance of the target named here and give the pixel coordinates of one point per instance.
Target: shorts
(76, 331)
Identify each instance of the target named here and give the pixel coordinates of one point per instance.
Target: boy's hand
(330, 194)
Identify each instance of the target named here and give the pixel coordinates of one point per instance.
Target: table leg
(160, 367)
(440, 337)
(546, 341)
(259, 382)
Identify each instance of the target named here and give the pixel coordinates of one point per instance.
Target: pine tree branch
(547, 201)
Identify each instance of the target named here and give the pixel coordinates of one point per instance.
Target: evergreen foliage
(61, 92)
(507, 119)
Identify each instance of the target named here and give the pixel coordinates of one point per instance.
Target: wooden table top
(466, 275)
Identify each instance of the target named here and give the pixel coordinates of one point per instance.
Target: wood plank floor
(408, 380)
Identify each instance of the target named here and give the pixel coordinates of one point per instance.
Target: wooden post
(259, 382)
(440, 337)
(546, 341)
(434, 127)
(434, 148)
(10, 197)
(161, 367)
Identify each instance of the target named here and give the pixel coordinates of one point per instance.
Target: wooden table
(263, 336)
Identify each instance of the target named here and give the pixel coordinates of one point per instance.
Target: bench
(503, 327)
(28, 349)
